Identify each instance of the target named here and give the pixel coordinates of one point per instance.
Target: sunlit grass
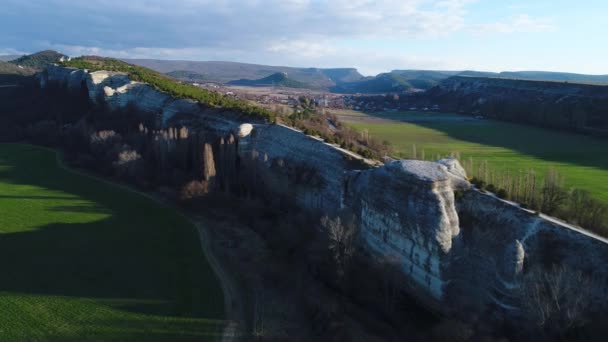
(84, 260)
(582, 160)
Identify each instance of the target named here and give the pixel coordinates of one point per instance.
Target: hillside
(572, 106)
(11, 74)
(12, 69)
(540, 76)
(225, 72)
(280, 79)
(188, 76)
(39, 60)
(170, 86)
(395, 81)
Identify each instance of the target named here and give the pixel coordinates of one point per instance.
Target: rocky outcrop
(514, 242)
(117, 91)
(407, 211)
(453, 243)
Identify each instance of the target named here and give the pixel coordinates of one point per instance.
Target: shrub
(128, 163)
(194, 190)
(491, 188)
(501, 193)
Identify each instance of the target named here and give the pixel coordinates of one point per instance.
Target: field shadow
(542, 143)
(116, 260)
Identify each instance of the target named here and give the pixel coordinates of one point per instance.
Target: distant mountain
(39, 60)
(540, 76)
(341, 80)
(189, 76)
(279, 79)
(8, 58)
(395, 81)
(225, 72)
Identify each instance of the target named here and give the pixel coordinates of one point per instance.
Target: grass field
(582, 160)
(83, 260)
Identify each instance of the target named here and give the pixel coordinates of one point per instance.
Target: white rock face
(457, 173)
(244, 130)
(407, 211)
(186, 107)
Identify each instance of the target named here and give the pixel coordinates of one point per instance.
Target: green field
(84, 260)
(582, 160)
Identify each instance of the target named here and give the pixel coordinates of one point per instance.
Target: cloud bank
(304, 32)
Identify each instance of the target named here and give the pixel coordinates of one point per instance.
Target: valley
(506, 147)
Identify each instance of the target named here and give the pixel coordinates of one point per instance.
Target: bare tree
(553, 193)
(259, 328)
(390, 268)
(342, 242)
(208, 163)
(556, 299)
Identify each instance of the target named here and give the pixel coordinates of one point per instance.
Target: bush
(480, 184)
(491, 188)
(128, 164)
(194, 190)
(501, 193)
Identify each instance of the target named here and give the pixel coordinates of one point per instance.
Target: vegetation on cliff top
(170, 86)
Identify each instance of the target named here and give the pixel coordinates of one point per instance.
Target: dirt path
(233, 304)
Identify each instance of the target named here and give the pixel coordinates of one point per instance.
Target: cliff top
(170, 86)
(422, 170)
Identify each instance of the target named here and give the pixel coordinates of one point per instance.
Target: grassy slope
(581, 160)
(83, 260)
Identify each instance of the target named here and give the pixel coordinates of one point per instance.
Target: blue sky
(373, 36)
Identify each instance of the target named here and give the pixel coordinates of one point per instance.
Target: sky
(373, 36)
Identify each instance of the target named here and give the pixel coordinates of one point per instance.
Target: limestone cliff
(407, 211)
(454, 244)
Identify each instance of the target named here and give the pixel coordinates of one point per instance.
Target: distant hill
(395, 81)
(279, 79)
(12, 69)
(189, 76)
(39, 60)
(565, 105)
(13, 74)
(8, 58)
(341, 80)
(540, 76)
(224, 72)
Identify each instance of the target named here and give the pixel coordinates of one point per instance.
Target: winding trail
(233, 303)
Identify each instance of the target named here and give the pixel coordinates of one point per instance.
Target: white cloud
(196, 23)
(522, 23)
(9, 51)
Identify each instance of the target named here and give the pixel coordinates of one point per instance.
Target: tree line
(546, 194)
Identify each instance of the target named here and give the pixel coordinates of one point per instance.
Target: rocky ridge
(453, 243)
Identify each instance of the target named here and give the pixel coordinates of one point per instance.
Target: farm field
(581, 160)
(84, 260)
